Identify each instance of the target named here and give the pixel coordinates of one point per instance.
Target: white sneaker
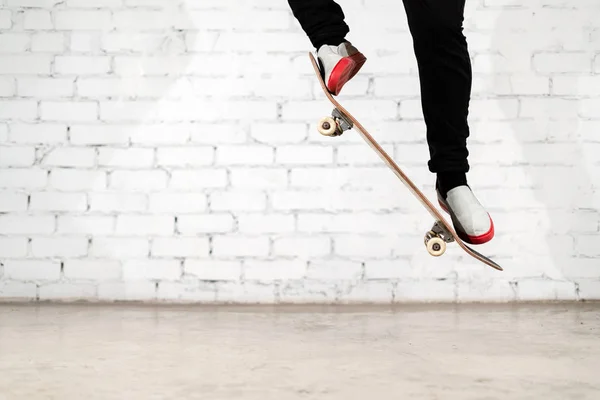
(339, 64)
(472, 223)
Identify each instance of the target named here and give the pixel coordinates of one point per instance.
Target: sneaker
(339, 64)
(472, 223)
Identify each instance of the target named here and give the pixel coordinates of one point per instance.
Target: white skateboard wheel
(436, 246)
(327, 126)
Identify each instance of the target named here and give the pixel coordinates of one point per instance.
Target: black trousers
(443, 61)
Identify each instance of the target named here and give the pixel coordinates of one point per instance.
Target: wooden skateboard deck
(442, 232)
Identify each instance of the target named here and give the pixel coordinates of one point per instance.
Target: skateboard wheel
(436, 246)
(327, 126)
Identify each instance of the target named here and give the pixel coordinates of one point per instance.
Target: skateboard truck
(335, 125)
(436, 239)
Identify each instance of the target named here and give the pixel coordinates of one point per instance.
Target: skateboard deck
(442, 232)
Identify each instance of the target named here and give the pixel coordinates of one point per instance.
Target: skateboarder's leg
(321, 20)
(445, 78)
(323, 23)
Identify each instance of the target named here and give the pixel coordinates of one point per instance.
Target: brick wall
(167, 150)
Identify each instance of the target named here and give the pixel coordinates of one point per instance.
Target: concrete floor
(414, 352)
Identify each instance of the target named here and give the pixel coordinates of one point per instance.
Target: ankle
(447, 181)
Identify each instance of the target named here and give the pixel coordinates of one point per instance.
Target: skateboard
(442, 232)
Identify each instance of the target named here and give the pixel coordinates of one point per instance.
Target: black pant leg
(321, 20)
(445, 76)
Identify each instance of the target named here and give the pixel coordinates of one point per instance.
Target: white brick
(588, 245)
(37, 20)
(177, 203)
(8, 87)
(258, 177)
(180, 247)
(45, 87)
(388, 269)
(489, 291)
(67, 291)
(358, 223)
(59, 247)
(99, 134)
(55, 201)
(81, 65)
(185, 156)
(425, 291)
(589, 108)
(77, 180)
(160, 134)
(83, 20)
(95, 4)
(13, 202)
(25, 64)
(304, 155)
(48, 43)
(246, 293)
(14, 42)
(273, 270)
(145, 225)
(32, 270)
(33, 3)
(24, 110)
(4, 133)
(218, 133)
(334, 270)
(298, 246)
(38, 133)
(89, 225)
(276, 133)
(15, 178)
(536, 289)
(5, 19)
(362, 155)
(126, 158)
(70, 157)
(136, 270)
(562, 62)
(119, 247)
(124, 88)
(212, 270)
(130, 291)
(13, 247)
(208, 223)
(145, 43)
(96, 270)
(17, 156)
(24, 225)
(194, 180)
(84, 42)
(240, 246)
(69, 111)
(265, 223)
(190, 290)
(118, 202)
(18, 290)
(142, 20)
(365, 246)
(138, 180)
(238, 201)
(589, 290)
(367, 292)
(244, 155)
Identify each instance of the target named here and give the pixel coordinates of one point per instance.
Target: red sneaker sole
(345, 70)
(481, 239)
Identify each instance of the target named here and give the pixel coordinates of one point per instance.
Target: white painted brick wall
(166, 150)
